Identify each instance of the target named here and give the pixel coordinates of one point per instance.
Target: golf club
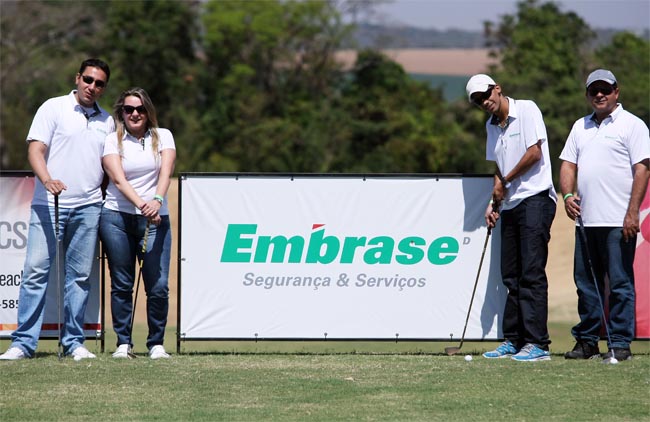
(583, 234)
(453, 350)
(137, 286)
(59, 349)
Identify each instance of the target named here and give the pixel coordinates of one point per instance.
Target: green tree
(270, 74)
(543, 55)
(628, 57)
(41, 47)
(396, 124)
(151, 44)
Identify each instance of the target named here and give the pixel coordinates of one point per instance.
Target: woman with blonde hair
(139, 160)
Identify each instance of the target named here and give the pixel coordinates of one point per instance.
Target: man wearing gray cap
(524, 199)
(606, 157)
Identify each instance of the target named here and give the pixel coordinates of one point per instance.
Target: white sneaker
(82, 353)
(123, 351)
(158, 352)
(13, 353)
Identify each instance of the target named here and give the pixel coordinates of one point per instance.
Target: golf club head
(610, 359)
(450, 351)
(131, 355)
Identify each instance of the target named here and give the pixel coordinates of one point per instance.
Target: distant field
(448, 69)
(431, 61)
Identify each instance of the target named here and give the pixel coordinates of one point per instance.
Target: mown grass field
(331, 381)
(322, 381)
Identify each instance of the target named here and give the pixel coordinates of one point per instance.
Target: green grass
(247, 381)
(323, 387)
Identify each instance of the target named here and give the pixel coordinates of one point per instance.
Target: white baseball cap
(601, 75)
(478, 83)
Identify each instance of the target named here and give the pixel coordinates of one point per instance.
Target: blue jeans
(610, 255)
(525, 233)
(78, 236)
(123, 235)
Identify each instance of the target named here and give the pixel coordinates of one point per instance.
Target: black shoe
(619, 353)
(583, 350)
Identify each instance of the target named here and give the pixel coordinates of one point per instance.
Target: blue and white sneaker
(531, 353)
(505, 349)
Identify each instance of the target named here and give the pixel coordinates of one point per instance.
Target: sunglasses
(89, 80)
(130, 109)
(479, 99)
(603, 89)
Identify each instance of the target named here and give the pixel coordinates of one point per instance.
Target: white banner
(16, 196)
(336, 257)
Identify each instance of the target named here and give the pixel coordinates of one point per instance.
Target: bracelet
(568, 195)
(159, 199)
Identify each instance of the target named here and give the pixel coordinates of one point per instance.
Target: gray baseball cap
(601, 75)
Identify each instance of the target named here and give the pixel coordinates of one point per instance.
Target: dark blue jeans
(122, 235)
(613, 256)
(525, 233)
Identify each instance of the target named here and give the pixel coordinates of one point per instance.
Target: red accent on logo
(316, 226)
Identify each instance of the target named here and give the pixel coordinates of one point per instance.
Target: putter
(59, 348)
(452, 350)
(137, 286)
(583, 234)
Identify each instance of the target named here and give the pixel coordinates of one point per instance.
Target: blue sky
(470, 14)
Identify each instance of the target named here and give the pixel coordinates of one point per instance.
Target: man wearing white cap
(524, 199)
(606, 157)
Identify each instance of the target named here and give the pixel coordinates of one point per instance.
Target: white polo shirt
(141, 169)
(605, 155)
(74, 137)
(506, 146)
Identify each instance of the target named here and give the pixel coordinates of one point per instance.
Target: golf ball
(468, 358)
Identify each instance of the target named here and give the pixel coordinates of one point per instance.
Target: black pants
(525, 233)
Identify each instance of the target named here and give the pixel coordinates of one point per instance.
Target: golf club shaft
(137, 287)
(583, 235)
(478, 273)
(59, 350)
(452, 350)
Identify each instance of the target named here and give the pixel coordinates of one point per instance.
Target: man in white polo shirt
(65, 147)
(606, 157)
(524, 199)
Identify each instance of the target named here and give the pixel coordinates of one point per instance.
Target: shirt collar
(133, 138)
(614, 115)
(82, 109)
(512, 112)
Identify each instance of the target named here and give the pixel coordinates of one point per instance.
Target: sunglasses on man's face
(479, 99)
(130, 109)
(89, 80)
(603, 89)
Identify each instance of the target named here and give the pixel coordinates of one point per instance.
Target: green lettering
(234, 242)
(381, 254)
(412, 254)
(280, 244)
(443, 250)
(350, 245)
(317, 242)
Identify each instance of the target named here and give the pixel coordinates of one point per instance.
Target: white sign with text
(336, 257)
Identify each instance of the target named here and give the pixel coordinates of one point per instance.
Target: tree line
(253, 86)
